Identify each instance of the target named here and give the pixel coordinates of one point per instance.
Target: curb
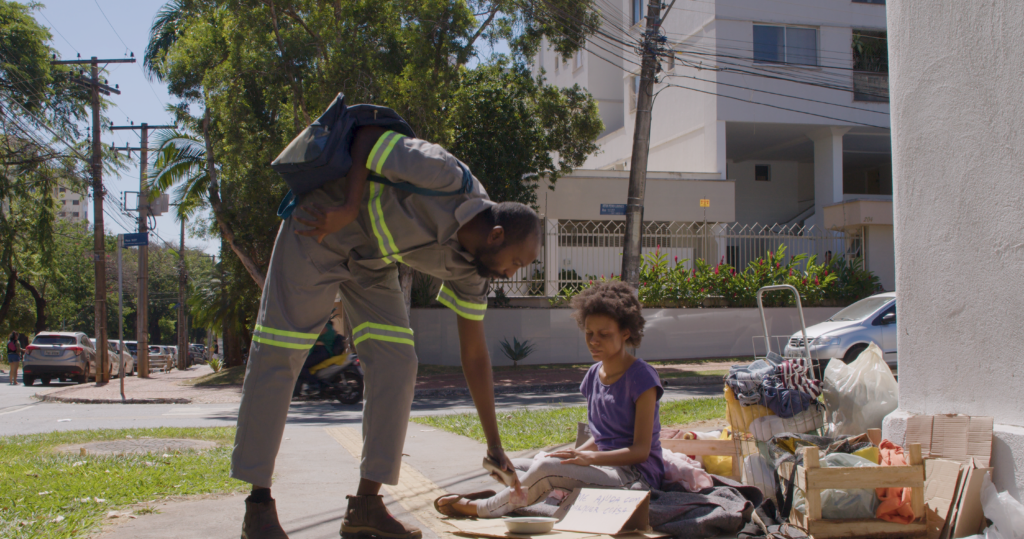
(556, 388)
(75, 400)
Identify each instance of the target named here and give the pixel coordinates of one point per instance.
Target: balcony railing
(871, 86)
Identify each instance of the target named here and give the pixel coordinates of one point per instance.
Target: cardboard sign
(495, 529)
(941, 478)
(608, 512)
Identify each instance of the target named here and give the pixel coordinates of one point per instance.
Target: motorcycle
(342, 381)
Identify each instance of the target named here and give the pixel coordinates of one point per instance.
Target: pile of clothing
(781, 385)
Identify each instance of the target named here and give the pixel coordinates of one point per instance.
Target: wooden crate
(812, 479)
(700, 448)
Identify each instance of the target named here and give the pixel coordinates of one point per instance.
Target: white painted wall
(669, 333)
(881, 255)
(775, 201)
(957, 74)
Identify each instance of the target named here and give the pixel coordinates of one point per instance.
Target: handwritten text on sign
(603, 511)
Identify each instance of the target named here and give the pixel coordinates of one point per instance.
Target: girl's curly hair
(615, 299)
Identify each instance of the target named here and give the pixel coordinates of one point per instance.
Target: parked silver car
(160, 358)
(115, 363)
(64, 356)
(851, 330)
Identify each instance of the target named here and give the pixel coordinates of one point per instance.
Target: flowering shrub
(669, 283)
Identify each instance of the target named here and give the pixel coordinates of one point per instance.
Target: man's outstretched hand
(326, 220)
(499, 456)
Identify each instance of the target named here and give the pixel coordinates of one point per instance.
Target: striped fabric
(380, 152)
(382, 332)
(284, 339)
(465, 309)
(794, 376)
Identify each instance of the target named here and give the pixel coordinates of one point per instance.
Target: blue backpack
(322, 151)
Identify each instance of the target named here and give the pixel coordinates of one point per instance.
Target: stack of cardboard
(957, 450)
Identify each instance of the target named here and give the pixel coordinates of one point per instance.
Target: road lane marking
(414, 491)
(17, 409)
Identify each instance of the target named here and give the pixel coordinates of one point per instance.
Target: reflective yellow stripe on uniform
(465, 309)
(378, 155)
(382, 332)
(284, 339)
(381, 150)
(385, 241)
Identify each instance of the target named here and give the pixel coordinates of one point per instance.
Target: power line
(54, 28)
(668, 85)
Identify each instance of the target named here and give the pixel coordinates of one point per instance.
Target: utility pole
(99, 248)
(182, 278)
(641, 147)
(142, 320)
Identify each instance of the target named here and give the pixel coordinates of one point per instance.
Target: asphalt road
(21, 414)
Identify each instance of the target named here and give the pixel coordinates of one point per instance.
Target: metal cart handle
(799, 308)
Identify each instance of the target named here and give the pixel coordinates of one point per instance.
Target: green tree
(257, 71)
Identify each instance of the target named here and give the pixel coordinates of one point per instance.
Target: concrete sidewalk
(316, 468)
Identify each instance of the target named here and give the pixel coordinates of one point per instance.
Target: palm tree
(185, 160)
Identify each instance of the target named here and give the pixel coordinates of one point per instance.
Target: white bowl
(530, 525)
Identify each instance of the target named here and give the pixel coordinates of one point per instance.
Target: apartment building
(785, 99)
(72, 206)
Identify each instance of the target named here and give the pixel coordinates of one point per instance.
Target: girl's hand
(574, 456)
(326, 220)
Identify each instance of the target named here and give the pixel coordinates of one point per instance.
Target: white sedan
(850, 331)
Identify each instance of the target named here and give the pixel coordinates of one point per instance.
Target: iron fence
(577, 251)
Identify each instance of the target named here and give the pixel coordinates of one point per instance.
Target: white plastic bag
(1006, 513)
(843, 503)
(859, 395)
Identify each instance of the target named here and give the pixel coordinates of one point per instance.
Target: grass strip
(51, 495)
(224, 377)
(533, 429)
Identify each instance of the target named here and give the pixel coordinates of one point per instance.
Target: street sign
(136, 240)
(613, 209)
(705, 203)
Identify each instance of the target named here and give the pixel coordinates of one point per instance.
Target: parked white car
(116, 348)
(64, 356)
(850, 331)
(160, 358)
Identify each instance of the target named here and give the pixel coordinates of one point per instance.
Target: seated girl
(622, 408)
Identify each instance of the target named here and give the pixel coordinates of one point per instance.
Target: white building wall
(958, 153)
(775, 201)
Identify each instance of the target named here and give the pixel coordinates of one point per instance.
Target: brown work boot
(261, 522)
(368, 518)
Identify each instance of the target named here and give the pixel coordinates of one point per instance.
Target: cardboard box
(970, 518)
(494, 528)
(941, 481)
(952, 437)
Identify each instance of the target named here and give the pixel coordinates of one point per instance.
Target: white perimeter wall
(957, 76)
(669, 333)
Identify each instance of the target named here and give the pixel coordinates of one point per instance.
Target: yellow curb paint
(414, 491)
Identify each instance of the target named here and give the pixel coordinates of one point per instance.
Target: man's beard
(482, 256)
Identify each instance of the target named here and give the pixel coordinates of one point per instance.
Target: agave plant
(517, 350)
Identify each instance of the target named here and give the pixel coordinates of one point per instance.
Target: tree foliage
(251, 74)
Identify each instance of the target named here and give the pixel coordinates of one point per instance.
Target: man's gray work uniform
(393, 226)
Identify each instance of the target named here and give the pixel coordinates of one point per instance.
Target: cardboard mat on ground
(592, 514)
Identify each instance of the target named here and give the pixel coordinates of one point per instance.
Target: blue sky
(79, 26)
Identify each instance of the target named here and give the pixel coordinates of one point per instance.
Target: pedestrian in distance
(349, 234)
(14, 353)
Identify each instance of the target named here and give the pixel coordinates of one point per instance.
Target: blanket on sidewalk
(722, 509)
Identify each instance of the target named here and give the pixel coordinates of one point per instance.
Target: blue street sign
(613, 209)
(136, 240)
